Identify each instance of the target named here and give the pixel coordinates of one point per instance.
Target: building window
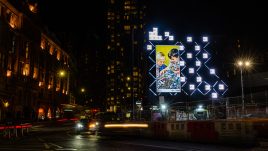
(33, 7)
(26, 69)
(51, 50)
(9, 72)
(43, 43)
(126, 27)
(12, 19)
(27, 50)
(35, 73)
(58, 55)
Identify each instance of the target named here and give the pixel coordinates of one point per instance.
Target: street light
(243, 64)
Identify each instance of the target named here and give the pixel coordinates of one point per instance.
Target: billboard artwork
(167, 68)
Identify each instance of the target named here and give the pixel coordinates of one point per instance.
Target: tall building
(35, 72)
(125, 39)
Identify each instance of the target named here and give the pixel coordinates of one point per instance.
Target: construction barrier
(9, 131)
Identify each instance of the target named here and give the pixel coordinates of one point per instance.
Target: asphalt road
(63, 138)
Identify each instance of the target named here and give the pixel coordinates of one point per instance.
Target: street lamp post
(243, 65)
(242, 91)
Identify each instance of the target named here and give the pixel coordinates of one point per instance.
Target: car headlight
(79, 125)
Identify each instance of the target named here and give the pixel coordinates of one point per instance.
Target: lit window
(51, 50)
(9, 72)
(13, 19)
(33, 7)
(43, 44)
(26, 69)
(58, 55)
(35, 73)
(126, 27)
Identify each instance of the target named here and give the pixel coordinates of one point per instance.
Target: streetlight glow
(62, 73)
(247, 63)
(243, 64)
(240, 63)
(82, 90)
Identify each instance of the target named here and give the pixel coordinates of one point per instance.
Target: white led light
(191, 70)
(149, 47)
(198, 63)
(154, 35)
(205, 55)
(207, 87)
(198, 79)
(189, 39)
(182, 63)
(197, 47)
(205, 39)
(191, 86)
(214, 95)
(181, 47)
(182, 79)
(166, 34)
(221, 87)
(189, 55)
(212, 71)
(171, 37)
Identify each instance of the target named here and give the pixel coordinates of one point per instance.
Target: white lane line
(55, 145)
(163, 147)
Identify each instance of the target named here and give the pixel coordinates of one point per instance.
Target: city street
(63, 138)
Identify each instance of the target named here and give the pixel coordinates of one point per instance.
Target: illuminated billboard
(192, 74)
(167, 68)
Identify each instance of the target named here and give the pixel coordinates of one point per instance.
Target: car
(82, 125)
(87, 125)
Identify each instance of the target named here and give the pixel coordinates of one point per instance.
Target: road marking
(163, 147)
(55, 145)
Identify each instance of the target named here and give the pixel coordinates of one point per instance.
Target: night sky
(241, 17)
(224, 18)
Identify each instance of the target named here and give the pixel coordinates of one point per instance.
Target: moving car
(86, 125)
